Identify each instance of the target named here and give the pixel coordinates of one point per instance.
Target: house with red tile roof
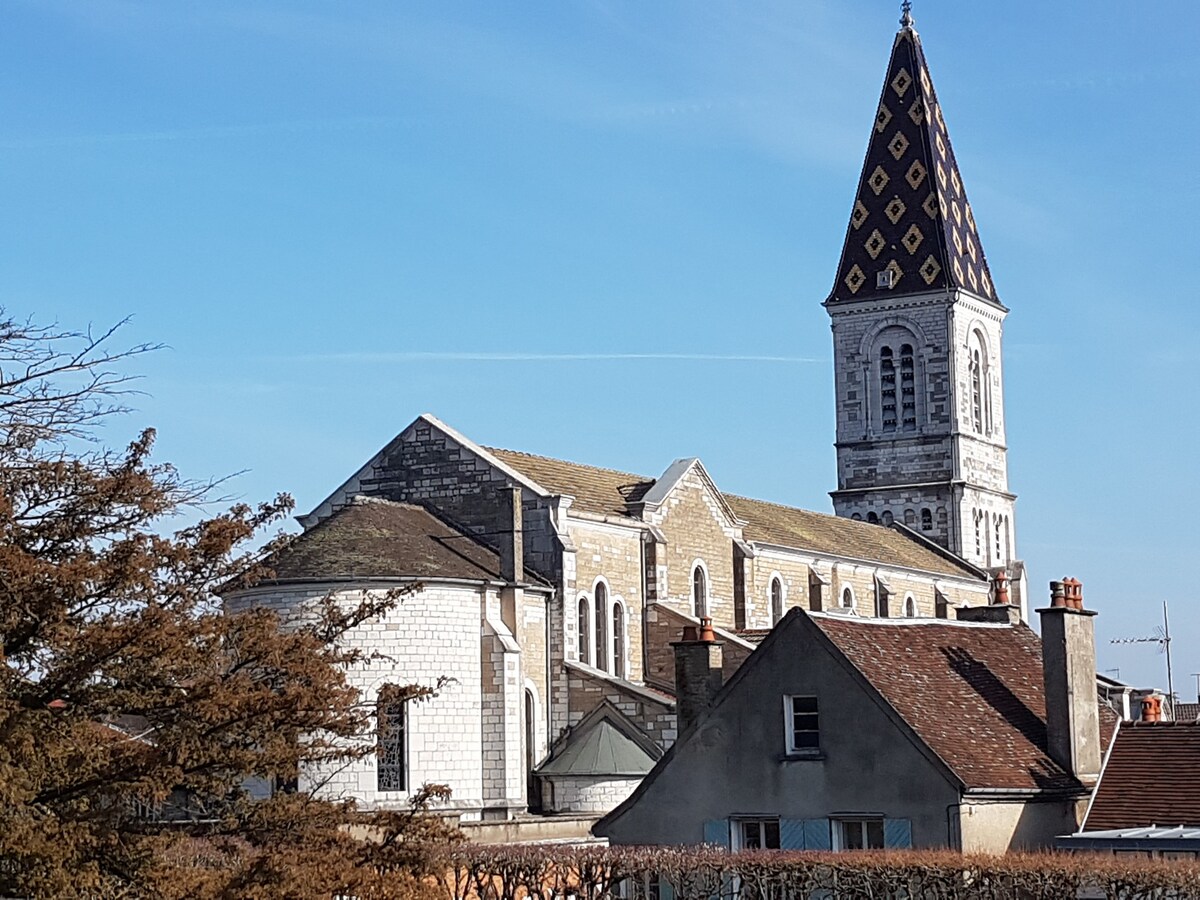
(1148, 798)
(847, 732)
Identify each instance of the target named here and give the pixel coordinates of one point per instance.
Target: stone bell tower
(917, 329)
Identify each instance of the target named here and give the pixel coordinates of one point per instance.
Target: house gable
(868, 763)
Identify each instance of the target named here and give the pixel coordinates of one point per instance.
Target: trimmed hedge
(550, 872)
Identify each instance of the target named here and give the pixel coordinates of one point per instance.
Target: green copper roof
(600, 748)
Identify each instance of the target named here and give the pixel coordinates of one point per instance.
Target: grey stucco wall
(733, 764)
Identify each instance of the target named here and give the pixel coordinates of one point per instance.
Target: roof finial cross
(906, 19)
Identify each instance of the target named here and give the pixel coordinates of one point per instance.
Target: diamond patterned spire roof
(912, 229)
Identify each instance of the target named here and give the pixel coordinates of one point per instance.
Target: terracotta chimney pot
(1151, 709)
(689, 633)
(1058, 594)
(1000, 598)
(706, 630)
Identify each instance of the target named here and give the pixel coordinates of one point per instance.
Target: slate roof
(372, 538)
(1151, 777)
(972, 693)
(911, 213)
(609, 492)
(603, 743)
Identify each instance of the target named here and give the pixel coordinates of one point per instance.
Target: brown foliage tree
(132, 710)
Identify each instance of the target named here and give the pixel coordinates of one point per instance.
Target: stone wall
(430, 634)
(587, 795)
(696, 528)
(654, 714)
(612, 554)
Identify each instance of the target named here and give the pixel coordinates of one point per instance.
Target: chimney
(1151, 708)
(698, 677)
(511, 530)
(1069, 673)
(999, 611)
(512, 536)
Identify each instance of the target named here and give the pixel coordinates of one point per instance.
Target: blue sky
(602, 230)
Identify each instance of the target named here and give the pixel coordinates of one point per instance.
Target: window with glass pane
(758, 834)
(389, 749)
(859, 834)
(618, 620)
(602, 660)
(585, 632)
(802, 720)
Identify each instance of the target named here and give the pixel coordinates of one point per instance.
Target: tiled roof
(911, 213)
(1151, 777)
(600, 491)
(1187, 712)
(609, 492)
(382, 539)
(973, 693)
(787, 526)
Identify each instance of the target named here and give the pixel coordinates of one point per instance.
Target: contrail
(520, 356)
(216, 131)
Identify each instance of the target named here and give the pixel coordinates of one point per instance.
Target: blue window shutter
(816, 834)
(716, 832)
(897, 834)
(791, 834)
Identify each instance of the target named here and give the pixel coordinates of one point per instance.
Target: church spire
(912, 230)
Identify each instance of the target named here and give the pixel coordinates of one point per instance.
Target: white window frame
(601, 618)
(590, 618)
(737, 833)
(842, 822)
(789, 724)
(615, 601)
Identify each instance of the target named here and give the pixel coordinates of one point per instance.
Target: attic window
(800, 714)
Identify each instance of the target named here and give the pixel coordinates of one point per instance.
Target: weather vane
(906, 19)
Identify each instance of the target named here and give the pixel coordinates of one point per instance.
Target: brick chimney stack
(1069, 672)
(999, 611)
(698, 660)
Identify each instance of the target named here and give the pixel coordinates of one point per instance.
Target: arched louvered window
(886, 518)
(776, 601)
(976, 390)
(887, 388)
(926, 520)
(908, 389)
(585, 631)
(618, 626)
(872, 518)
(699, 591)
(602, 659)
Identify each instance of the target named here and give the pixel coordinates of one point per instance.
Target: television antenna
(1162, 637)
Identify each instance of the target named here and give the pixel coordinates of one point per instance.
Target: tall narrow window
(872, 518)
(926, 520)
(618, 620)
(776, 601)
(602, 660)
(978, 535)
(887, 388)
(997, 524)
(910, 607)
(908, 389)
(976, 390)
(585, 632)
(699, 592)
(847, 598)
(389, 744)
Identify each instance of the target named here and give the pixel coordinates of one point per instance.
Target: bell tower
(917, 330)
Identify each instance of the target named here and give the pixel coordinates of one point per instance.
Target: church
(550, 592)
